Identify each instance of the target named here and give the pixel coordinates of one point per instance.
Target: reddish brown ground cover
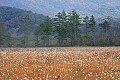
(66, 63)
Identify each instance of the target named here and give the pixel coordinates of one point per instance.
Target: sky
(98, 8)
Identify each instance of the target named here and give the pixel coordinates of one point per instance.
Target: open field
(65, 63)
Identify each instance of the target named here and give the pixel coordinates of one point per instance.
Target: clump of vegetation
(65, 29)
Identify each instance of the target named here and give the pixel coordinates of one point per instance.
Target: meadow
(60, 63)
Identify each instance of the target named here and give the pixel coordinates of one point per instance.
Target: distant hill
(98, 8)
(12, 19)
(114, 22)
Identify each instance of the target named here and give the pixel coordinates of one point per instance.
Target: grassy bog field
(60, 63)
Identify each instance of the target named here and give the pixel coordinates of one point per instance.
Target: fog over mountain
(98, 8)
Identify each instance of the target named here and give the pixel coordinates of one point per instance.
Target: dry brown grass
(66, 63)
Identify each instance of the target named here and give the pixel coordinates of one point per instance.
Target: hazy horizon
(98, 8)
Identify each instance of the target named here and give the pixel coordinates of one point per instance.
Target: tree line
(67, 29)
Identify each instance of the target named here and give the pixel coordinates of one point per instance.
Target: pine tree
(61, 27)
(45, 30)
(92, 25)
(86, 36)
(74, 28)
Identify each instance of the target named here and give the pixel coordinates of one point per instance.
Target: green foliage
(45, 29)
(13, 18)
(61, 27)
(89, 24)
(92, 24)
(90, 28)
(4, 35)
(86, 24)
(74, 28)
(27, 29)
(86, 39)
(67, 29)
(2, 29)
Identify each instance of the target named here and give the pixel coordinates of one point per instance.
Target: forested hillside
(13, 19)
(20, 28)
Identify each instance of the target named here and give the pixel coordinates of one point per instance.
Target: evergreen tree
(92, 25)
(45, 30)
(86, 25)
(86, 37)
(74, 28)
(61, 27)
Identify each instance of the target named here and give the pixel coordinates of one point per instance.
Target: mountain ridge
(101, 8)
(12, 18)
